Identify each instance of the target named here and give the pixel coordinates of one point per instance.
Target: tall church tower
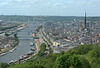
(85, 26)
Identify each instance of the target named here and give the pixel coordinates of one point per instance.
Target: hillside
(84, 56)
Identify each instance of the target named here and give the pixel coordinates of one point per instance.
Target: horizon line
(46, 15)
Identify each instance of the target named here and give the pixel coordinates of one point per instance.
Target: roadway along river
(24, 44)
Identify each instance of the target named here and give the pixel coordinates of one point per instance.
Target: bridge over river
(25, 38)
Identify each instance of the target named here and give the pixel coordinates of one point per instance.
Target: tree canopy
(88, 57)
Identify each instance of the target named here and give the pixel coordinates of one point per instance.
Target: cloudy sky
(50, 7)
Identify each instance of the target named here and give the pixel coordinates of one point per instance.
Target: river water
(25, 38)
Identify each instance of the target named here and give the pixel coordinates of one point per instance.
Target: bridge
(27, 31)
(27, 37)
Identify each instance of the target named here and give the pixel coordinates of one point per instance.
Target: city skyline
(50, 7)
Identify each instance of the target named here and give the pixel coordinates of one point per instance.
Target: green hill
(83, 56)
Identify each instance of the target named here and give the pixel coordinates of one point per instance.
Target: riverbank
(30, 55)
(37, 44)
(23, 47)
(9, 46)
(22, 27)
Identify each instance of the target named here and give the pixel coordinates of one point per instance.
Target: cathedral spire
(85, 21)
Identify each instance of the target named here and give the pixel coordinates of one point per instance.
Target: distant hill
(23, 18)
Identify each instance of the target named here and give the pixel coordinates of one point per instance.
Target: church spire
(85, 21)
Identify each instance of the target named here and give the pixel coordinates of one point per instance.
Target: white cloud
(48, 3)
(82, 3)
(76, 3)
(19, 0)
(60, 5)
(49, 6)
(93, 3)
(27, 0)
(64, 6)
(24, 1)
(3, 3)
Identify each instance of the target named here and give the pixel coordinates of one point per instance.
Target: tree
(6, 34)
(15, 35)
(71, 51)
(42, 50)
(69, 61)
(48, 45)
(16, 38)
(95, 53)
(75, 62)
(83, 49)
(3, 65)
(87, 48)
(96, 44)
(57, 38)
(38, 66)
(85, 63)
(50, 50)
(62, 62)
(62, 52)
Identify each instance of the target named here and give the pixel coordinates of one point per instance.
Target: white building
(55, 43)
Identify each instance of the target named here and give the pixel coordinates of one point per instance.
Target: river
(24, 44)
